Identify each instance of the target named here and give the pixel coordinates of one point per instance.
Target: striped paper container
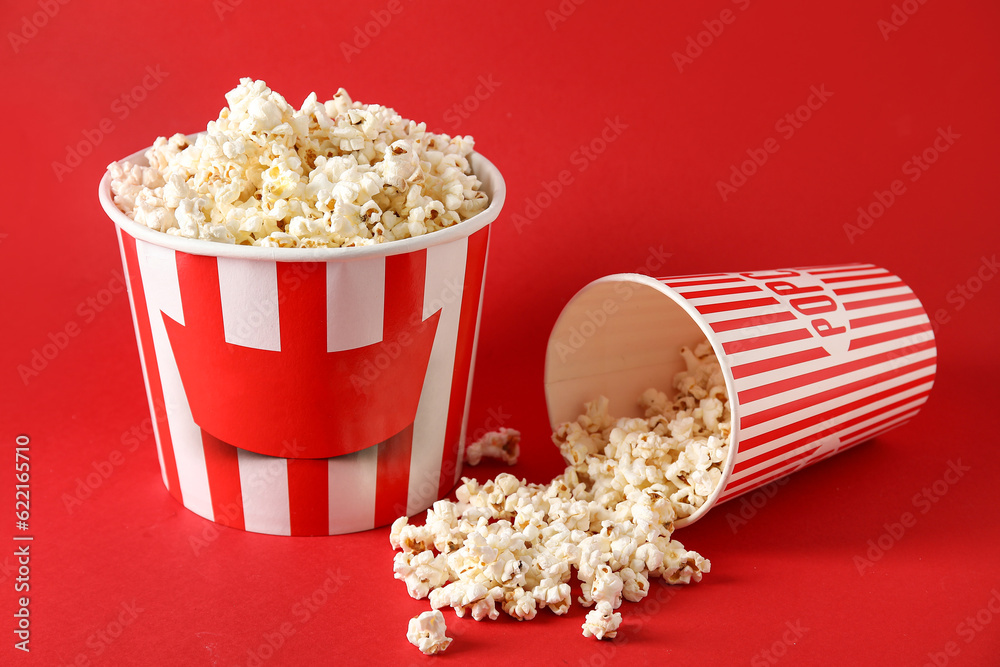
(311, 391)
(816, 359)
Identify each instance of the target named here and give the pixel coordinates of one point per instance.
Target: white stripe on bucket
(249, 292)
(352, 480)
(355, 297)
(264, 487)
(158, 267)
(444, 282)
(142, 360)
(472, 370)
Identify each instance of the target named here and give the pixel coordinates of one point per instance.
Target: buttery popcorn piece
(602, 622)
(333, 174)
(426, 632)
(501, 444)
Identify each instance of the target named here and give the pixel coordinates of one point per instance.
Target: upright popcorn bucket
(311, 391)
(815, 359)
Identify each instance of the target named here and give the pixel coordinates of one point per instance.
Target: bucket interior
(617, 337)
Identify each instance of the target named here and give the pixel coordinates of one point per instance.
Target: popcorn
(421, 572)
(507, 545)
(680, 445)
(635, 585)
(426, 632)
(607, 587)
(501, 444)
(602, 622)
(520, 604)
(333, 174)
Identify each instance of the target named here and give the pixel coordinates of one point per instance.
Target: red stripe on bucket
(223, 468)
(308, 496)
(742, 289)
(403, 304)
(301, 303)
(696, 275)
(475, 271)
(869, 303)
(835, 268)
(886, 336)
(868, 288)
(871, 430)
(749, 485)
(393, 477)
(402, 308)
(781, 361)
(736, 305)
(707, 281)
(885, 317)
(152, 369)
(758, 342)
(752, 322)
(880, 273)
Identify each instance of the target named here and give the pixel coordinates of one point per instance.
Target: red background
(555, 84)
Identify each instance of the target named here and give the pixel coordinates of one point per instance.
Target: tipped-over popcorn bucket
(815, 359)
(310, 391)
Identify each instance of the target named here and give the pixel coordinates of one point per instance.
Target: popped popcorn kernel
(427, 632)
(502, 444)
(326, 175)
(602, 622)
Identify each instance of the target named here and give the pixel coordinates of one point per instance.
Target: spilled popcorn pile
(510, 546)
(331, 174)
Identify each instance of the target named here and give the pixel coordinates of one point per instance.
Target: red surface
(612, 159)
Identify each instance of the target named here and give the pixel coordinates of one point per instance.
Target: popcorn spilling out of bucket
(815, 359)
(776, 370)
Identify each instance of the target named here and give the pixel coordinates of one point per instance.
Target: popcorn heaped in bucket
(330, 174)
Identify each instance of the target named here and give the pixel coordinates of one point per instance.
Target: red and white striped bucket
(310, 391)
(815, 359)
